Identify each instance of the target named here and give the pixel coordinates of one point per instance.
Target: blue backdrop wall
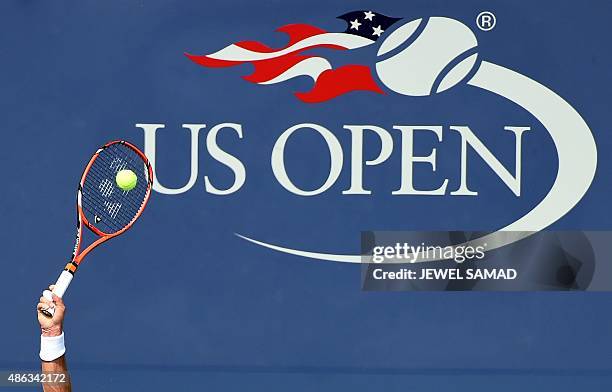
(180, 300)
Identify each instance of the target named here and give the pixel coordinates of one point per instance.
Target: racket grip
(60, 288)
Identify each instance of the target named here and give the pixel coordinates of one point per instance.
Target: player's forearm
(57, 366)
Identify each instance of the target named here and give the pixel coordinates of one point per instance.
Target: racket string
(119, 216)
(95, 205)
(139, 190)
(110, 207)
(132, 206)
(114, 208)
(128, 194)
(127, 212)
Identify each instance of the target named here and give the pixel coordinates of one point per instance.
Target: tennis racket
(104, 208)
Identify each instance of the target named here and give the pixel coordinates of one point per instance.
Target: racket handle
(60, 288)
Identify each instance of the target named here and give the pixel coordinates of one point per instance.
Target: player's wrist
(52, 331)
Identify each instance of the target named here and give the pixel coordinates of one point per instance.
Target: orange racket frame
(77, 256)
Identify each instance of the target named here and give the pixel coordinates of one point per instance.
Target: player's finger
(42, 306)
(47, 301)
(48, 294)
(57, 300)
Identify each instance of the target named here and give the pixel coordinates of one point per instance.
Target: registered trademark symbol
(486, 20)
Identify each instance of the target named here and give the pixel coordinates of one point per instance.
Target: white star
(369, 15)
(378, 31)
(355, 24)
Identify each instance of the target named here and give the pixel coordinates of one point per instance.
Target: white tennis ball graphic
(415, 69)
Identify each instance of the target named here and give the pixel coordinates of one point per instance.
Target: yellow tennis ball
(126, 179)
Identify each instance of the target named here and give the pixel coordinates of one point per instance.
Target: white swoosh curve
(236, 53)
(312, 66)
(572, 139)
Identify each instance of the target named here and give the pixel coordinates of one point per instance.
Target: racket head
(102, 206)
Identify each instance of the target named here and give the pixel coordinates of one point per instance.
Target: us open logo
(417, 58)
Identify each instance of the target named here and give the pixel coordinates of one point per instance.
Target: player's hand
(51, 326)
